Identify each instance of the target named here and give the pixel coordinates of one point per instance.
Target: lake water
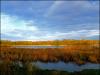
(70, 67)
(38, 46)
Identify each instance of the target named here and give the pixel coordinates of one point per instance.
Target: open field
(78, 51)
(55, 42)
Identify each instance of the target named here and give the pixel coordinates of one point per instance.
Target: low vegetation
(78, 51)
(55, 42)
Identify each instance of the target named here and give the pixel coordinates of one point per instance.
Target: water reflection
(38, 46)
(70, 67)
(39, 68)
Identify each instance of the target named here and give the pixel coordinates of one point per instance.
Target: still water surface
(38, 46)
(70, 67)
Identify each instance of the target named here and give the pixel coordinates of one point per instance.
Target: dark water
(38, 46)
(61, 66)
(70, 67)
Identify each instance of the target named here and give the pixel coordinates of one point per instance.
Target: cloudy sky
(49, 20)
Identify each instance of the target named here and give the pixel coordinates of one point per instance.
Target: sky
(49, 20)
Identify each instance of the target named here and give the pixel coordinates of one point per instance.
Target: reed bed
(79, 54)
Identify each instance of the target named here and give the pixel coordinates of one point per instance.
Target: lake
(38, 46)
(70, 67)
(62, 66)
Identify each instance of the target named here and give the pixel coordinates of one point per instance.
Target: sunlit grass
(80, 52)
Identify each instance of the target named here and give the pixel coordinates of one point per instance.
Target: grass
(77, 51)
(80, 52)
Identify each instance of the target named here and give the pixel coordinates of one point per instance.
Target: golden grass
(78, 53)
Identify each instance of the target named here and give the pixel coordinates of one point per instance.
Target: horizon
(49, 20)
(50, 40)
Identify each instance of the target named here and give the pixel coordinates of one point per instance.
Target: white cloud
(13, 26)
(10, 24)
(68, 35)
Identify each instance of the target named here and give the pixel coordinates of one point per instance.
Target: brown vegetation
(78, 51)
(55, 42)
